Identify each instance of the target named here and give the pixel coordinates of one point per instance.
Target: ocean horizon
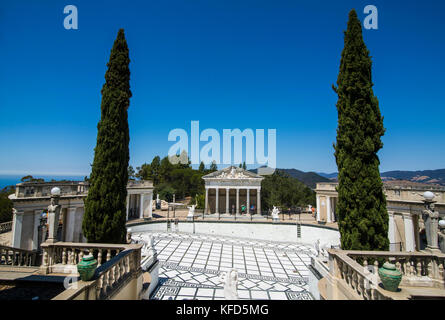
(12, 180)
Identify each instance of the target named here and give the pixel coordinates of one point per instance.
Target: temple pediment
(232, 173)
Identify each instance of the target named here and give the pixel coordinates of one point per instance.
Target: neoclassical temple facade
(31, 200)
(227, 190)
(404, 202)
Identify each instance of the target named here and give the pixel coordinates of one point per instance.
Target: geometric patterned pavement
(191, 264)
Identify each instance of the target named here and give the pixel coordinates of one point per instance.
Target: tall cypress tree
(105, 205)
(362, 214)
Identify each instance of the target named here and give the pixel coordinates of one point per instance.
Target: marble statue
(191, 214)
(148, 248)
(53, 219)
(230, 280)
(275, 213)
(431, 220)
(317, 247)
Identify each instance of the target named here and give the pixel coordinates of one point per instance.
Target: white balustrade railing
(71, 253)
(352, 268)
(5, 226)
(18, 257)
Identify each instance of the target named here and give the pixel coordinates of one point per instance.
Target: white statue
(275, 213)
(53, 218)
(230, 279)
(191, 212)
(317, 247)
(148, 248)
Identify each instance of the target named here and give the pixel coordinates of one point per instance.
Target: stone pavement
(191, 264)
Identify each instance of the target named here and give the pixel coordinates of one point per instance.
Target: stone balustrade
(353, 277)
(354, 273)
(64, 256)
(120, 277)
(18, 257)
(413, 265)
(5, 227)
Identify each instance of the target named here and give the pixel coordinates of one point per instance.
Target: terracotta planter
(390, 276)
(87, 267)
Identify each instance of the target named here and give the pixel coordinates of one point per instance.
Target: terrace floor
(191, 264)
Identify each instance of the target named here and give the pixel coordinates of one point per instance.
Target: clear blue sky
(229, 64)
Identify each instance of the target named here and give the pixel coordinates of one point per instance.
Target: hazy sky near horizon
(229, 64)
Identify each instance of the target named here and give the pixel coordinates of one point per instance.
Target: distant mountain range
(422, 176)
(308, 178)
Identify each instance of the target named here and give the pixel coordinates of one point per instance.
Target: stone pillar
(258, 201)
(328, 209)
(206, 203)
(150, 208)
(409, 233)
(227, 200)
(248, 200)
(17, 228)
(391, 232)
(318, 208)
(35, 235)
(217, 200)
(70, 224)
(237, 201)
(128, 204)
(141, 206)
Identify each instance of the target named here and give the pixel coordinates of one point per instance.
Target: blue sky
(229, 64)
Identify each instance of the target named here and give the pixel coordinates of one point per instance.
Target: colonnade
(227, 199)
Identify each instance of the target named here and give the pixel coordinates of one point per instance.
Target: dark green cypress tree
(362, 214)
(105, 205)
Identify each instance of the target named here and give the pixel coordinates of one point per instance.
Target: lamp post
(53, 215)
(431, 219)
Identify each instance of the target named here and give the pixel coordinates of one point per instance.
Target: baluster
(441, 268)
(117, 273)
(419, 267)
(99, 285)
(45, 257)
(376, 266)
(64, 255)
(429, 268)
(108, 254)
(105, 283)
(398, 265)
(354, 280)
(80, 255)
(361, 286)
(110, 274)
(127, 264)
(99, 257)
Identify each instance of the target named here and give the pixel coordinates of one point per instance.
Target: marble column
(216, 200)
(248, 200)
(150, 208)
(409, 233)
(391, 232)
(328, 209)
(35, 235)
(237, 201)
(318, 208)
(70, 224)
(227, 200)
(141, 206)
(258, 201)
(17, 228)
(206, 203)
(128, 204)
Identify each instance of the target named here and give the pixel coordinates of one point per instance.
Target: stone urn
(86, 267)
(390, 276)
